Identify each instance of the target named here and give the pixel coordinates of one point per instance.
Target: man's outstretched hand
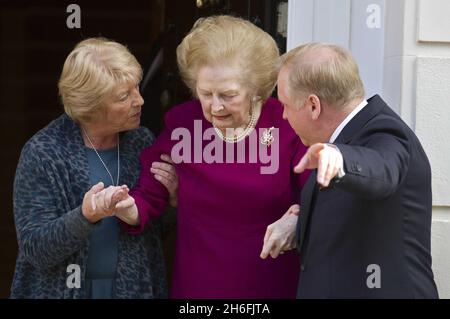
(326, 158)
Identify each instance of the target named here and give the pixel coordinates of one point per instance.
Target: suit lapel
(374, 106)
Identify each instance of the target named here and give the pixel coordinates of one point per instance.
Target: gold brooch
(267, 137)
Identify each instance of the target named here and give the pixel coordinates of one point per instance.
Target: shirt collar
(349, 117)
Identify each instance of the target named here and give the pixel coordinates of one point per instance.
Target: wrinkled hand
(280, 236)
(327, 159)
(127, 211)
(116, 201)
(165, 173)
(99, 202)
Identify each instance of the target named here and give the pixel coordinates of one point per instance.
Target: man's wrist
(341, 172)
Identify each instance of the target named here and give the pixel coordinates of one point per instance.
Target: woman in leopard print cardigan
(54, 220)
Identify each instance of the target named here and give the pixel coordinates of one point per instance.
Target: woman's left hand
(165, 173)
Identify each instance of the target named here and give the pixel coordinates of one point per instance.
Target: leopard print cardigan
(51, 179)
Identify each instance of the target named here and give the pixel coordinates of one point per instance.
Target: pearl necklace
(104, 165)
(248, 129)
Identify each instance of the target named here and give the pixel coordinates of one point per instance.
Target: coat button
(302, 267)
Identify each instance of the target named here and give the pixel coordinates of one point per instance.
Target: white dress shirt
(338, 130)
(341, 126)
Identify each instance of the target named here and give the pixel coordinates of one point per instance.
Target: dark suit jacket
(378, 214)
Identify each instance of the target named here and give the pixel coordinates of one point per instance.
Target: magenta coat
(224, 209)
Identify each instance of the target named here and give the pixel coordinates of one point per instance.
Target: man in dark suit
(365, 213)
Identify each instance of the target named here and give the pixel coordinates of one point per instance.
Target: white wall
(417, 79)
(407, 60)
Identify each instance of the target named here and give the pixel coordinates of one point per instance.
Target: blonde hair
(91, 71)
(326, 70)
(227, 40)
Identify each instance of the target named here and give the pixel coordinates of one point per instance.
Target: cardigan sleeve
(46, 235)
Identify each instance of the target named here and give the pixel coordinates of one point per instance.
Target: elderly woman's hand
(112, 201)
(280, 236)
(99, 202)
(165, 173)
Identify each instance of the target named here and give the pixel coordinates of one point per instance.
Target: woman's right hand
(99, 202)
(165, 173)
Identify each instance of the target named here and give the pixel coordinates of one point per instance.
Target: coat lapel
(374, 106)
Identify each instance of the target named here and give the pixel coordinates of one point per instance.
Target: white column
(357, 25)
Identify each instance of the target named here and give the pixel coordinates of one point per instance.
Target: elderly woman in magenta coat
(234, 157)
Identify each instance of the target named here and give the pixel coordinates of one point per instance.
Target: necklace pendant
(101, 160)
(267, 137)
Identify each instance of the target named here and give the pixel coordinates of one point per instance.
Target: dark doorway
(34, 42)
(162, 84)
